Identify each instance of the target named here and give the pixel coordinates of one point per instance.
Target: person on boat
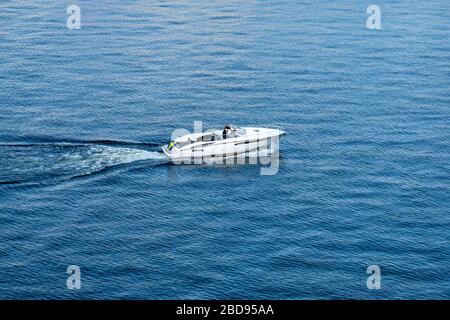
(226, 131)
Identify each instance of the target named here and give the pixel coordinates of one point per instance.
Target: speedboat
(216, 145)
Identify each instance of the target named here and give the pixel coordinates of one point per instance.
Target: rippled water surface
(364, 169)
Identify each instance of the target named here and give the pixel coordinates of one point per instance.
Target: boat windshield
(238, 130)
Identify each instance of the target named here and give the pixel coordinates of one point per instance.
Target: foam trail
(62, 161)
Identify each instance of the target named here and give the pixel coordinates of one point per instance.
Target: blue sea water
(364, 170)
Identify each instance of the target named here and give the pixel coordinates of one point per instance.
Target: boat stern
(165, 149)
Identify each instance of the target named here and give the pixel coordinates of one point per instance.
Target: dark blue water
(364, 170)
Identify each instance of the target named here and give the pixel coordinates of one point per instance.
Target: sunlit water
(364, 168)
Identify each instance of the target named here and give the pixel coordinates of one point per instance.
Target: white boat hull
(261, 142)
